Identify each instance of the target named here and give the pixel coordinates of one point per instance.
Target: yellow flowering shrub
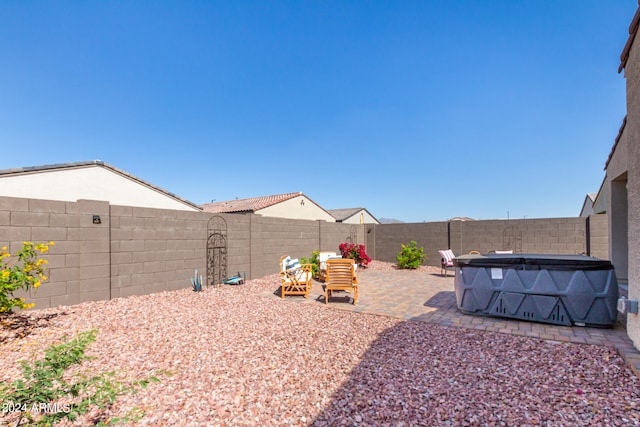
(22, 270)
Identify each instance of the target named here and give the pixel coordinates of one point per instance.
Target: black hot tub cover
(533, 261)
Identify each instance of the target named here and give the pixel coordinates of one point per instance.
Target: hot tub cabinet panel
(558, 289)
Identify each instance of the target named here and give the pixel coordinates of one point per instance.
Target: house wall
(587, 207)
(134, 251)
(632, 135)
(299, 207)
(598, 238)
(87, 182)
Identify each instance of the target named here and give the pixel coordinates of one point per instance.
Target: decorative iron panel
(216, 251)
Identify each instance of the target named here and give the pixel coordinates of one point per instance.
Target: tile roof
(72, 165)
(615, 143)
(248, 205)
(633, 30)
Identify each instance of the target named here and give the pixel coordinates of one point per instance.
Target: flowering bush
(355, 252)
(21, 271)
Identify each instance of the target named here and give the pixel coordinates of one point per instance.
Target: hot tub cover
(559, 289)
(535, 261)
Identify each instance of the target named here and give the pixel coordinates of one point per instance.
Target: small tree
(411, 256)
(23, 270)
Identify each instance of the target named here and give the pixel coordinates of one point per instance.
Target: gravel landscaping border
(230, 357)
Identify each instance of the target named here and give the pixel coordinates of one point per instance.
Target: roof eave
(633, 30)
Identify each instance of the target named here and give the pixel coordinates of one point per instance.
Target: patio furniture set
(338, 274)
(559, 289)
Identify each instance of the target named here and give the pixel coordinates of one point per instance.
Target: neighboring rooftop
(462, 218)
(249, 205)
(89, 163)
(390, 221)
(343, 215)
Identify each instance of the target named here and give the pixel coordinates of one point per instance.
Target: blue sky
(416, 110)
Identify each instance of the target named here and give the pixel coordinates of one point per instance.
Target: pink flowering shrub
(355, 252)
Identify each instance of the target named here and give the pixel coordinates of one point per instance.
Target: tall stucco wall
(632, 131)
(615, 187)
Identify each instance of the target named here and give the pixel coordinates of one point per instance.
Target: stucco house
(90, 180)
(587, 205)
(289, 205)
(354, 216)
(620, 192)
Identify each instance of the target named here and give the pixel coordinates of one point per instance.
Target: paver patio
(429, 297)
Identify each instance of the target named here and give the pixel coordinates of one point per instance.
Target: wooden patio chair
(296, 278)
(341, 276)
(322, 263)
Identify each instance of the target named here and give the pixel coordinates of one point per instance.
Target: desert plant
(196, 282)
(314, 260)
(47, 394)
(410, 256)
(23, 270)
(355, 252)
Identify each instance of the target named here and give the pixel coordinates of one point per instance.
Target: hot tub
(559, 289)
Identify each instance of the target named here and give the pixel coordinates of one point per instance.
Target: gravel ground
(229, 357)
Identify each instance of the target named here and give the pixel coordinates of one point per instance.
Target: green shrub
(46, 394)
(314, 260)
(21, 271)
(411, 256)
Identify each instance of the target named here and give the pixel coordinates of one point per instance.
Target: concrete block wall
(277, 237)
(386, 240)
(543, 236)
(155, 250)
(332, 234)
(134, 251)
(79, 261)
(272, 238)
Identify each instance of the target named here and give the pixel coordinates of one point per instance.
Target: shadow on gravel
(20, 325)
(417, 374)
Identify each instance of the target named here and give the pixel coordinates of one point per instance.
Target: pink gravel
(231, 357)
